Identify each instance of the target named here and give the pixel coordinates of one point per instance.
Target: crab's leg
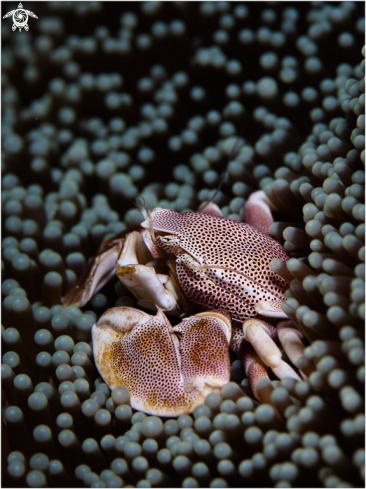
(168, 370)
(291, 341)
(253, 366)
(100, 271)
(257, 211)
(256, 333)
(210, 208)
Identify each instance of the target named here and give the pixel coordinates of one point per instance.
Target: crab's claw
(168, 370)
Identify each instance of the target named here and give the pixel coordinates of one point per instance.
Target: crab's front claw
(168, 370)
(267, 350)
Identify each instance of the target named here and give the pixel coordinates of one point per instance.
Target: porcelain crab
(176, 261)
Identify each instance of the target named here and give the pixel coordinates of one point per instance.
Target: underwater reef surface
(105, 102)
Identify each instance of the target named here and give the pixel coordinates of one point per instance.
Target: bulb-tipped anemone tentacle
(127, 101)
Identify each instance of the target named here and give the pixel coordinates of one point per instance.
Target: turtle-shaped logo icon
(20, 18)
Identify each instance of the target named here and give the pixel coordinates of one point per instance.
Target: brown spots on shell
(234, 258)
(204, 352)
(165, 375)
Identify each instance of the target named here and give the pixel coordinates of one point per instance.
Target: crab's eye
(169, 240)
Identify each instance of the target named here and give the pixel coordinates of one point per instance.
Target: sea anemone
(106, 102)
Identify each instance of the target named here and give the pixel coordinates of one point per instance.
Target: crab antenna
(233, 153)
(140, 202)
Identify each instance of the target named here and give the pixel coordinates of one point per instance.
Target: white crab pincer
(176, 262)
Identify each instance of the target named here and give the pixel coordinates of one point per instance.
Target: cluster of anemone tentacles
(104, 102)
